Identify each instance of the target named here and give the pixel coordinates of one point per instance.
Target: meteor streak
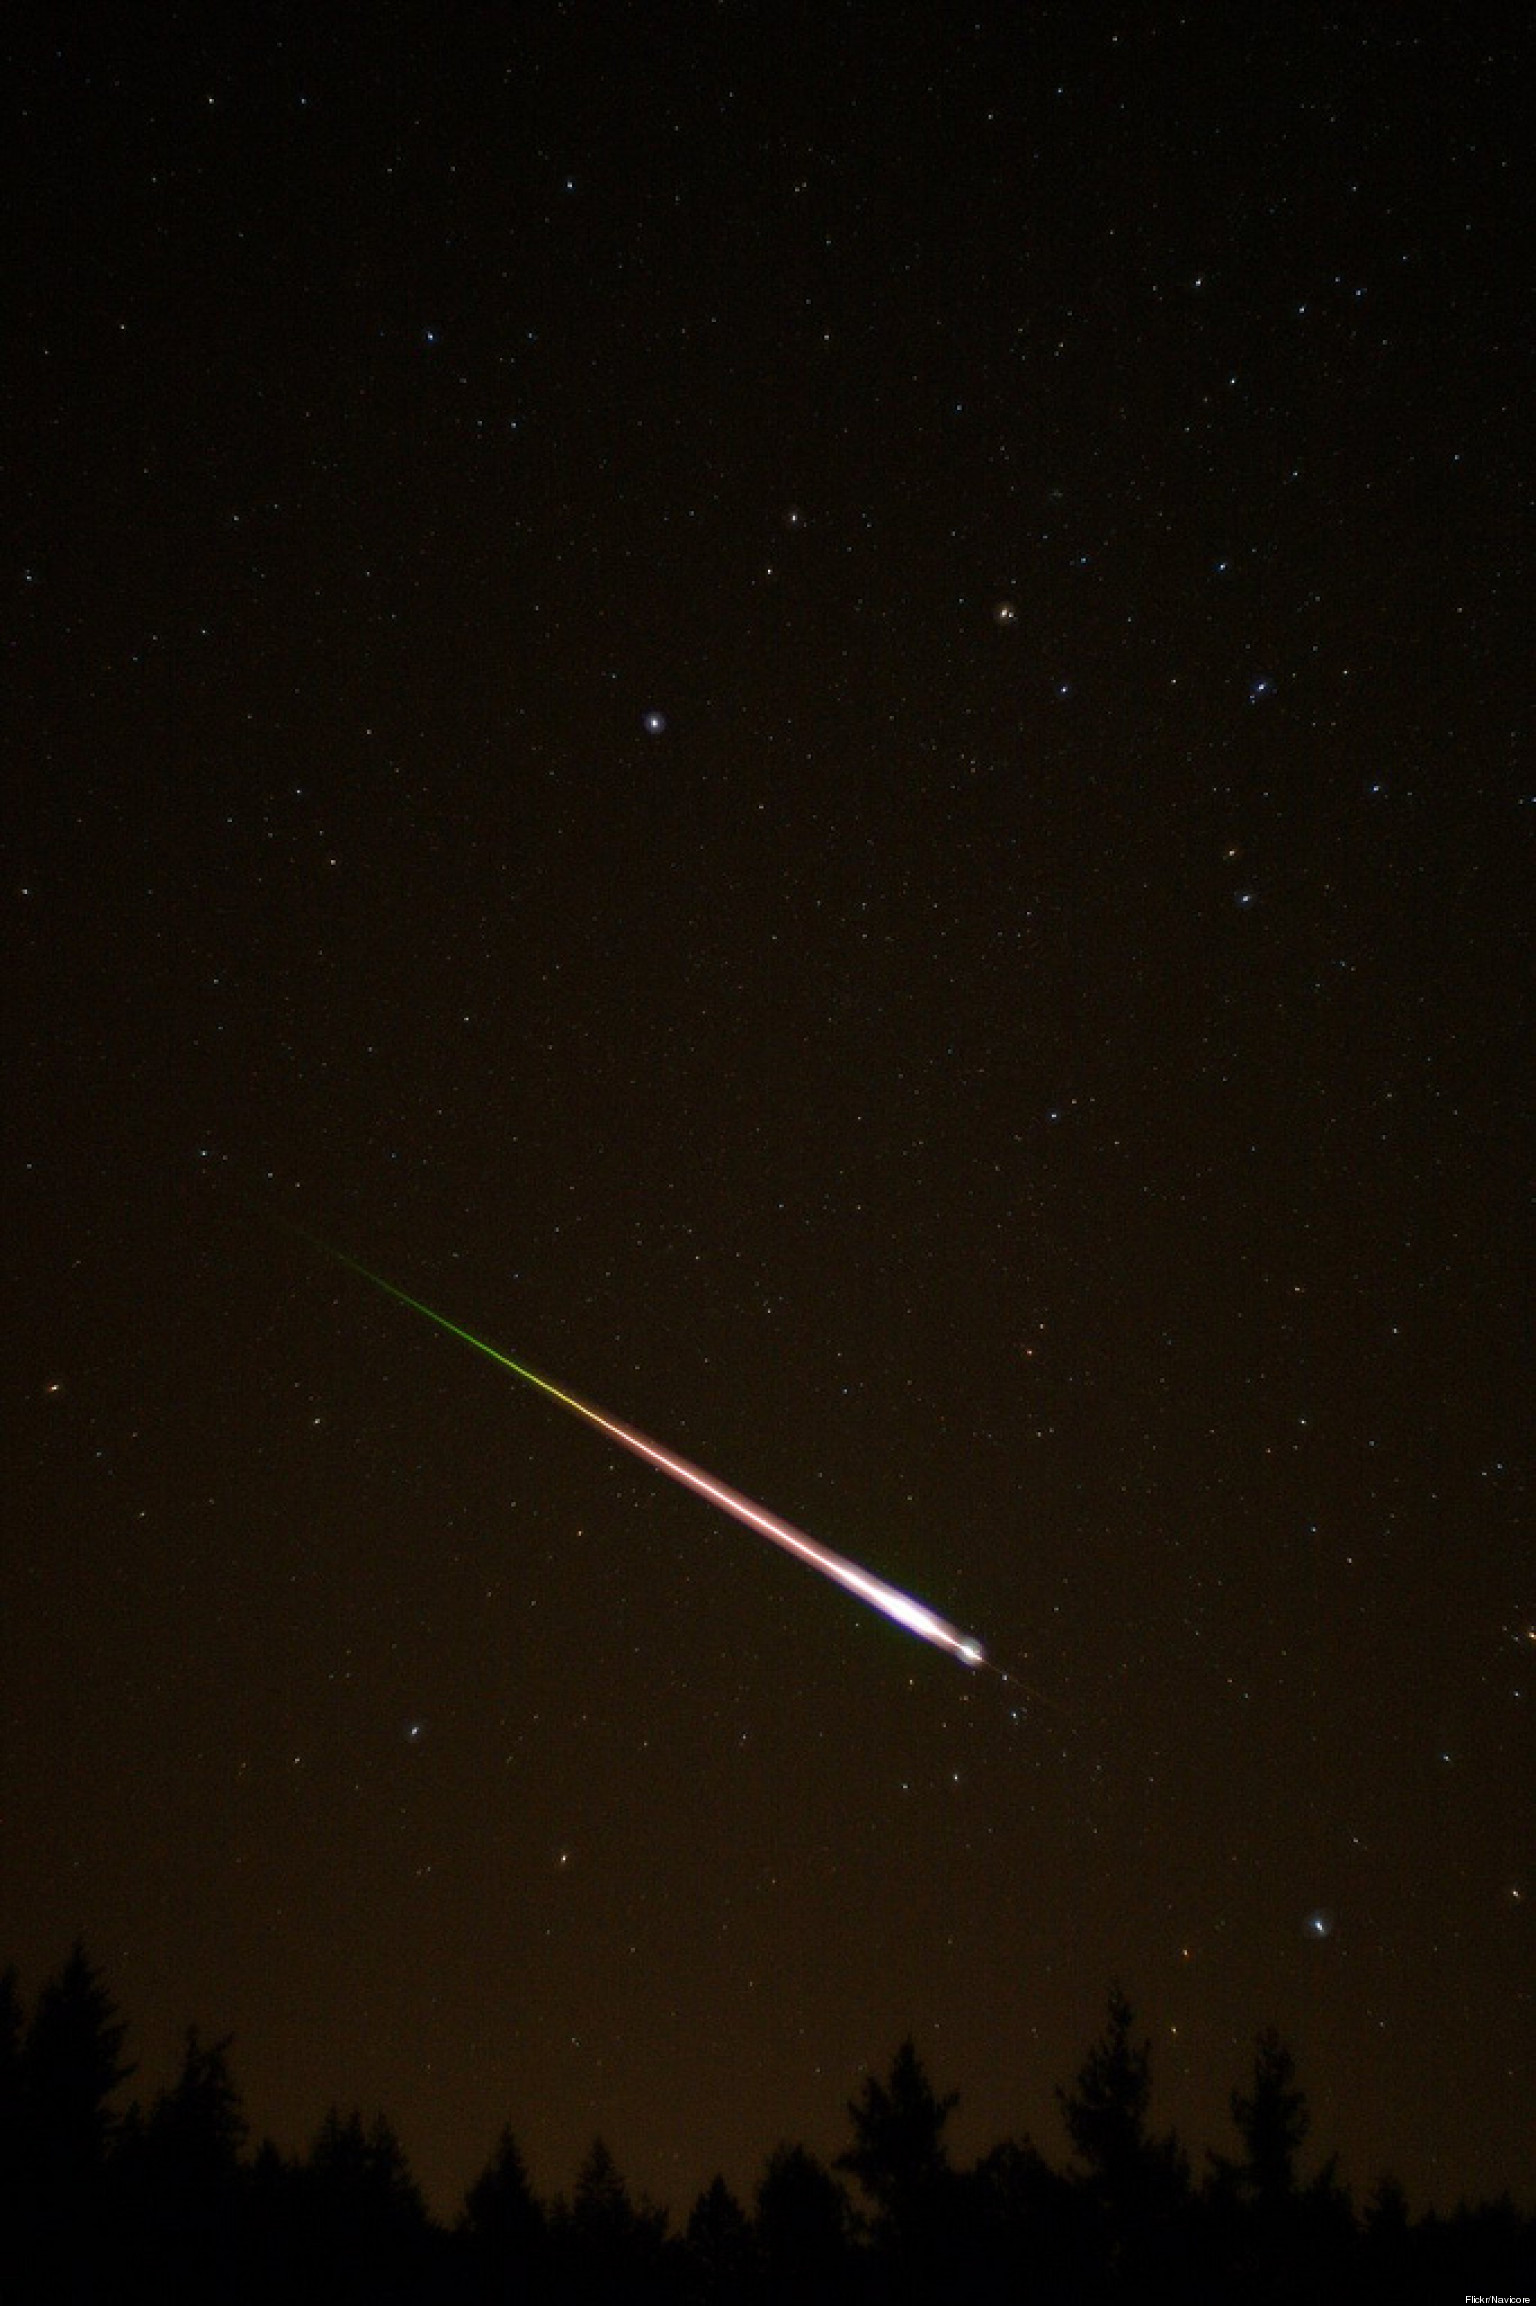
(901, 1607)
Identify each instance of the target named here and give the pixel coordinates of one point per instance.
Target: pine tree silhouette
(721, 2249)
(901, 2162)
(803, 2223)
(504, 2233)
(1275, 2234)
(366, 2220)
(165, 2206)
(182, 2182)
(69, 2069)
(1136, 2184)
(610, 2249)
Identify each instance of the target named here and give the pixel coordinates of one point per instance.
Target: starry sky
(815, 712)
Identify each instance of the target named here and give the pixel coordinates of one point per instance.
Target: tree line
(168, 2201)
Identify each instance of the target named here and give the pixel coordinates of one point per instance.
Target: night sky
(817, 714)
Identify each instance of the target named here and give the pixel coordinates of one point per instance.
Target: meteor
(900, 1607)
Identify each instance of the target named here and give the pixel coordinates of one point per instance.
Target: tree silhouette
(197, 2128)
(366, 2221)
(182, 2180)
(900, 2160)
(503, 2232)
(1029, 2224)
(165, 2204)
(1386, 2245)
(898, 2153)
(803, 2237)
(1272, 2121)
(1276, 2234)
(1136, 2184)
(611, 2247)
(68, 2070)
(721, 2248)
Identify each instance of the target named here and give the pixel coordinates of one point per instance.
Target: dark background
(1021, 1072)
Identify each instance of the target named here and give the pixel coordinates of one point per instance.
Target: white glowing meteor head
(970, 1652)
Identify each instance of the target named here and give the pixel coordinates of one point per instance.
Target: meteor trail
(896, 1605)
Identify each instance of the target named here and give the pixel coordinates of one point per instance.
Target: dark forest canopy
(105, 2197)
